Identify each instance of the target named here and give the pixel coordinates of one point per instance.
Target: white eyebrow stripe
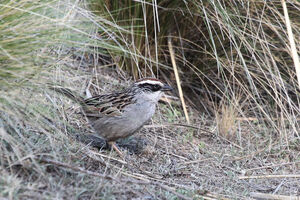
(152, 82)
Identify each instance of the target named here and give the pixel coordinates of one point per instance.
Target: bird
(120, 114)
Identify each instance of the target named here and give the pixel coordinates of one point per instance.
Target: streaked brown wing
(108, 105)
(92, 111)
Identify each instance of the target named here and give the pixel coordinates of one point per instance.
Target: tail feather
(69, 93)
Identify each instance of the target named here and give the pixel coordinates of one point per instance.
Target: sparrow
(120, 114)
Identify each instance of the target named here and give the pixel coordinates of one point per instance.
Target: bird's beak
(166, 88)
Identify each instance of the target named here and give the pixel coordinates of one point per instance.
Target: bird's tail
(68, 93)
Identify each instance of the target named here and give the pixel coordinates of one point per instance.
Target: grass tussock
(222, 48)
(235, 68)
(226, 121)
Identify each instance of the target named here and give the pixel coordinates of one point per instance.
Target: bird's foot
(114, 146)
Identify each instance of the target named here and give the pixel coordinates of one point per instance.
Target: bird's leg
(114, 146)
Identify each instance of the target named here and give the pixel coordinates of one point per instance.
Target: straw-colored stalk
(178, 79)
(292, 41)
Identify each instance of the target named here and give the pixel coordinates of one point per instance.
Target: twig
(271, 176)
(249, 155)
(166, 100)
(263, 118)
(270, 166)
(178, 156)
(173, 98)
(234, 144)
(177, 124)
(210, 195)
(165, 125)
(258, 195)
(177, 79)
(196, 161)
(107, 177)
(78, 169)
(108, 157)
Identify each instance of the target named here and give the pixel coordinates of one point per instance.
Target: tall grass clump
(143, 30)
(224, 49)
(39, 44)
(246, 52)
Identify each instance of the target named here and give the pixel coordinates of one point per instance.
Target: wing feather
(107, 105)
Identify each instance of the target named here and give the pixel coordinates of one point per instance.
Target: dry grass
(174, 161)
(226, 121)
(251, 147)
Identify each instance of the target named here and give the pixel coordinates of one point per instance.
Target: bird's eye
(156, 87)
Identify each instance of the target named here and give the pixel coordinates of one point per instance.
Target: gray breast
(131, 120)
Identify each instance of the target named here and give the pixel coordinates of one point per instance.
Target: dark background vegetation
(238, 79)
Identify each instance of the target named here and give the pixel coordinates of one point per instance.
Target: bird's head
(151, 88)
